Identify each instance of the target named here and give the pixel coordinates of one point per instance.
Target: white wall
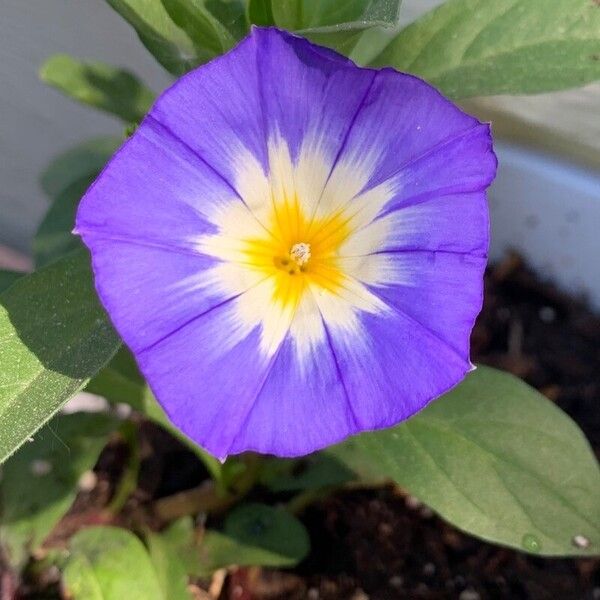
(36, 122)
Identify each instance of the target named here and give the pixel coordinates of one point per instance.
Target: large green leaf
(102, 86)
(479, 47)
(54, 336)
(80, 162)
(497, 459)
(39, 483)
(66, 180)
(108, 563)
(170, 45)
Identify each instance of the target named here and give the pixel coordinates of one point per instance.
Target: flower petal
(440, 290)
(276, 144)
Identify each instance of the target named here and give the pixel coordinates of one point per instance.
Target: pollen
(300, 253)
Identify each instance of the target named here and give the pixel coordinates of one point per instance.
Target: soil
(380, 544)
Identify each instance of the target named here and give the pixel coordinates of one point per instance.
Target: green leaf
(54, 336)
(498, 460)
(304, 15)
(256, 534)
(108, 563)
(102, 86)
(260, 13)
(333, 23)
(207, 34)
(182, 544)
(253, 534)
(232, 14)
(477, 47)
(319, 470)
(169, 44)
(39, 483)
(53, 238)
(7, 278)
(169, 569)
(66, 180)
(121, 382)
(84, 161)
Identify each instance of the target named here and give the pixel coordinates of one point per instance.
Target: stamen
(300, 253)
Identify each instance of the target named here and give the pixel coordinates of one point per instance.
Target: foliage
(497, 459)
(493, 456)
(55, 336)
(476, 47)
(39, 483)
(112, 90)
(108, 563)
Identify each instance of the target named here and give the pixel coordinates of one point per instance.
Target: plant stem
(129, 478)
(210, 497)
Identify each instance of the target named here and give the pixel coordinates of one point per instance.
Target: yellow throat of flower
(299, 251)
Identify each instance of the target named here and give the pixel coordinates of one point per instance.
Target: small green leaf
(53, 238)
(84, 161)
(208, 35)
(55, 336)
(66, 180)
(477, 47)
(7, 278)
(169, 44)
(497, 459)
(253, 534)
(39, 483)
(169, 569)
(256, 534)
(102, 86)
(108, 563)
(319, 470)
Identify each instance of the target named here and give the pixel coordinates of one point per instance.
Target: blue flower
(293, 246)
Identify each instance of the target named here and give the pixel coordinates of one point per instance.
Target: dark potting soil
(379, 543)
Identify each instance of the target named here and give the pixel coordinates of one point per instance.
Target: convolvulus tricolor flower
(293, 246)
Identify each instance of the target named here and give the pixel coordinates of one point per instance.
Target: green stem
(301, 501)
(210, 497)
(129, 478)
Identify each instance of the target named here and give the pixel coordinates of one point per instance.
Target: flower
(293, 246)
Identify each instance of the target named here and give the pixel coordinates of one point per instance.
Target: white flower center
(300, 253)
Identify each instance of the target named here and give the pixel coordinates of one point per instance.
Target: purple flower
(293, 246)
